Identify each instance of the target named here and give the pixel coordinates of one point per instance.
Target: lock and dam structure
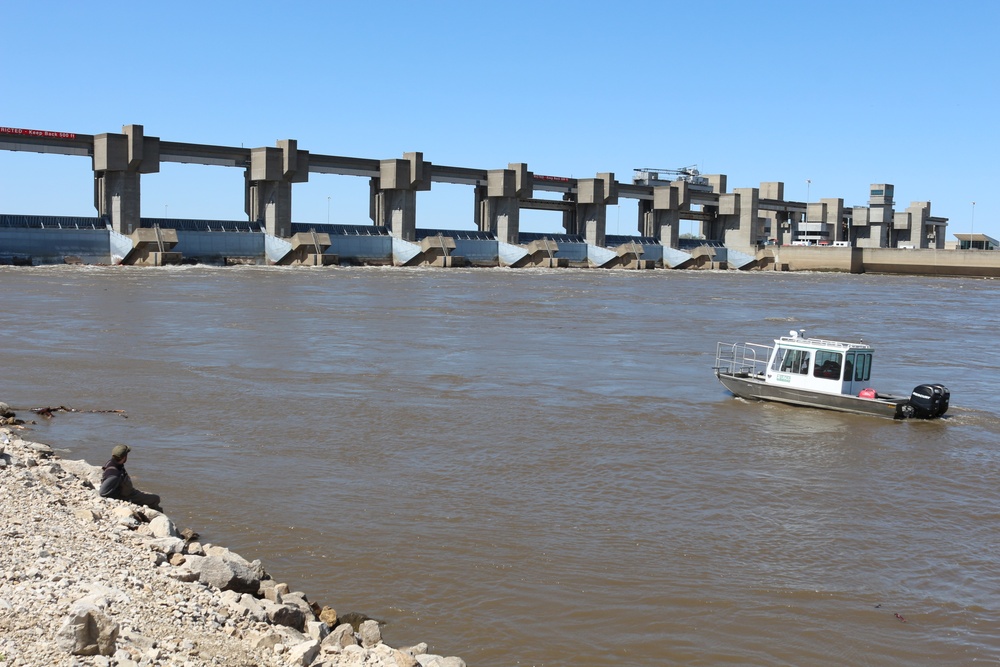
(746, 228)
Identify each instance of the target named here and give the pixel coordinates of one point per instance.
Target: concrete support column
(119, 160)
(479, 218)
(117, 198)
(646, 226)
(781, 231)
(739, 213)
(594, 195)
(394, 194)
(774, 191)
(269, 185)
(865, 234)
(499, 209)
(924, 233)
(683, 203)
(591, 212)
(728, 214)
(901, 232)
(662, 219)
(397, 211)
(749, 232)
(834, 218)
(881, 216)
(570, 218)
(271, 206)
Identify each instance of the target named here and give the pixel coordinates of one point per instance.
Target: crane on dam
(654, 176)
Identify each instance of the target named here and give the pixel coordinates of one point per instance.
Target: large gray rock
(370, 633)
(264, 640)
(341, 637)
(317, 630)
(244, 605)
(291, 636)
(404, 659)
(277, 634)
(284, 614)
(89, 475)
(428, 660)
(268, 591)
(40, 449)
(416, 649)
(224, 574)
(303, 654)
(87, 631)
(125, 512)
(166, 545)
(182, 574)
(162, 526)
(299, 600)
(233, 557)
(224, 553)
(102, 596)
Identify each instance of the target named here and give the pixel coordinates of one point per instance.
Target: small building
(977, 242)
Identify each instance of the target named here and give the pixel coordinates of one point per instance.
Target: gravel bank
(91, 581)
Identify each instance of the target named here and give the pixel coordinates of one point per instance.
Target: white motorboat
(828, 374)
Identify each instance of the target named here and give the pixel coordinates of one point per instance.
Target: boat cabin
(827, 366)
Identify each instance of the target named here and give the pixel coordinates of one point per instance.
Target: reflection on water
(510, 464)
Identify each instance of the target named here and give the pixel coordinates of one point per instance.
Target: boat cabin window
(862, 366)
(791, 361)
(827, 365)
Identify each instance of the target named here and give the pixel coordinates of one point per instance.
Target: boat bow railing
(742, 359)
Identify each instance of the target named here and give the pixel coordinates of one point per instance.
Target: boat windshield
(788, 360)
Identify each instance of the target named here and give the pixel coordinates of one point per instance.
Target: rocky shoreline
(86, 580)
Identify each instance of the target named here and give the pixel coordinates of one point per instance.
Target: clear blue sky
(843, 94)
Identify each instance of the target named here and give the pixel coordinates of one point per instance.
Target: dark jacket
(115, 483)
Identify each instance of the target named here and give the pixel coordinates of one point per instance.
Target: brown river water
(526, 467)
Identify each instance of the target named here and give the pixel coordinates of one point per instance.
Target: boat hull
(751, 388)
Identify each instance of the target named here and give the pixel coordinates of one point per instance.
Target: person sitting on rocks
(115, 483)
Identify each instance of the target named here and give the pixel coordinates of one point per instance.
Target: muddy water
(538, 467)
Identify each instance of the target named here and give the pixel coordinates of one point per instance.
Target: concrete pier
(269, 185)
(394, 194)
(152, 247)
(498, 209)
(119, 160)
(738, 215)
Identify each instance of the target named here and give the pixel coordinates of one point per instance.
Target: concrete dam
(747, 228)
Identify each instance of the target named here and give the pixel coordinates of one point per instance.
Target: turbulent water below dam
(529, 467)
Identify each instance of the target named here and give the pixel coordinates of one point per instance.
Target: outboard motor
(929, 400)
